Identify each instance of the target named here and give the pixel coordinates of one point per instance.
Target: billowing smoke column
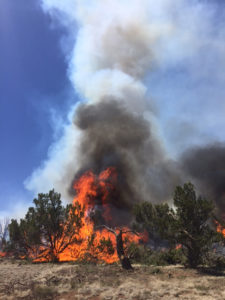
(115, 48)
(114, 136)
(114, 130)
(118, 43)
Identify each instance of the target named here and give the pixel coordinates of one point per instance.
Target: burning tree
(220, 228)
(120, 249)
(99, 240)
(50, 232)
(48, 228)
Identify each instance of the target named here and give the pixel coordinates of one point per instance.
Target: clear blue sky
(32, 81)
(35, 89)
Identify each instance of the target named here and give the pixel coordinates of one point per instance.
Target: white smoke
(118, 43)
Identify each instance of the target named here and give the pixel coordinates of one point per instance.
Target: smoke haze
(118, 45)
(205, 166)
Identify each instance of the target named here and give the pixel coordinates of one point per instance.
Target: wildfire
(93, 193)
(2, 254)
(220, 228)
(178, 247)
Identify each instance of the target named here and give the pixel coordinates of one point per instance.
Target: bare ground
(21, 280)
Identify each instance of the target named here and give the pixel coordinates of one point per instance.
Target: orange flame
(94, 191)
(2, 254)
(220, 228)
(178, 246)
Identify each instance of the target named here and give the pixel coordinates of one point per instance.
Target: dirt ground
(21, 280)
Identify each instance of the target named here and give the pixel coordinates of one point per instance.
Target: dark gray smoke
(119, 44)
(205, 166)
(115, 137)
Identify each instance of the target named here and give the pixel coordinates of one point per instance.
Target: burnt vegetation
(186, 232)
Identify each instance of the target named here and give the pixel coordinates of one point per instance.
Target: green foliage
(47, 229)
(167, 257)
(155, 219)
(191, 224)
(139, 254)
(144, 255)
(188, 224)
(215, 260)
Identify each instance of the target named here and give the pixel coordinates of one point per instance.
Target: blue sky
(33, 82)
(187, 89)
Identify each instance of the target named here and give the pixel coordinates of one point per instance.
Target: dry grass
(66, 281)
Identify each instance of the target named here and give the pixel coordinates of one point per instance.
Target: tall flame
(93, 193)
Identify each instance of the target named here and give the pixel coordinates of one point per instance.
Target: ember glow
(220, 229)
(178, 247)
(2, 254)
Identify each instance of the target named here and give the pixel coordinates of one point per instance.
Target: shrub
(43, 292)
(144, 255)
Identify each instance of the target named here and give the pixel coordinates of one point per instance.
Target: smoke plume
(118, 45)
(113, 136)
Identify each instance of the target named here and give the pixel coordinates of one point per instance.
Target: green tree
(47, 229)
(189, 223)
(156, 220)
(192, 228)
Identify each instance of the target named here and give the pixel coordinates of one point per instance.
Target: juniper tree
(156, 220)
(191, 226)
(47, 229)
(189, 223)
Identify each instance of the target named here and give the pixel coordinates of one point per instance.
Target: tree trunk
(53, 256)
(125, 262)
